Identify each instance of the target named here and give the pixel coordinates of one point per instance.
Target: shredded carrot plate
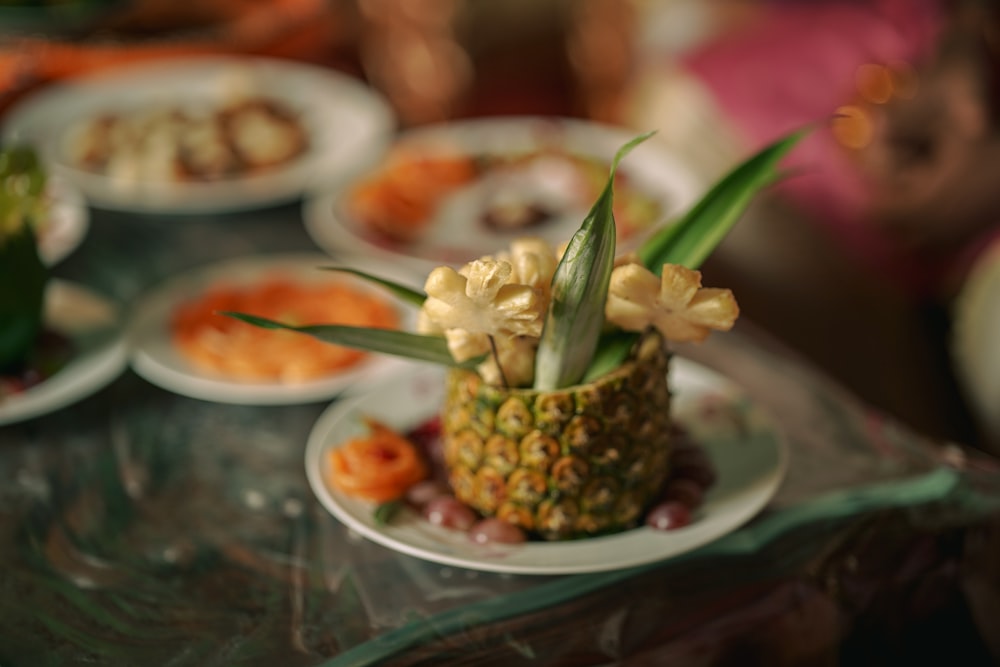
(226, 346)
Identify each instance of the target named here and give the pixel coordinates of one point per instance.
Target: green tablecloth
(141, 527)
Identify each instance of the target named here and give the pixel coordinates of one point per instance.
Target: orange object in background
(399, 199)
(314, 31)
(235, 349)
(434, 60)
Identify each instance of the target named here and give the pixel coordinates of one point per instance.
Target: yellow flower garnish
(675, 303)
(515, 356)
(533, 261)
(483, 300)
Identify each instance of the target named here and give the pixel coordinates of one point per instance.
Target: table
(139, 527)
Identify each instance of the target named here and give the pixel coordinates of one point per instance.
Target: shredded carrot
(379, 466)
(224, 345)
(400, 198)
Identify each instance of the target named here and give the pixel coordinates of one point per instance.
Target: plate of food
(203, 134)
(744, 448)
(79, 350)
(180, 342)
(451, 192)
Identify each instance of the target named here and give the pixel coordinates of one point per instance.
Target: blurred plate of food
(448, 193)
(80, 349)
(180, 341)
(203, 134)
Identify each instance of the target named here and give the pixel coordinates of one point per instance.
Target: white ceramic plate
(748, 452)
(94, 324)
(347, 122)
(455, 234)
(154, 357)
(974, 349)
(67, 223)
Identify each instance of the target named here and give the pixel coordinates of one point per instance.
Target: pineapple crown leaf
(579, 290)
(401, 292)
(433, 349)
(692, 239)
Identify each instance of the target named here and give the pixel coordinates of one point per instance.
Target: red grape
(423, 492)
(689, 456)
(426, 432)
(498, 531)
(668, 515)
(690, 461)
(448, 512)
(688, 492)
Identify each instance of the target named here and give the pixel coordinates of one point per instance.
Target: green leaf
(692, 239)
(22, 163)
(23, 274)
(402, 292)
(23, 277)
(579, 291)
(22, 182)
(418, 347)
(612, 350)
(385, 512)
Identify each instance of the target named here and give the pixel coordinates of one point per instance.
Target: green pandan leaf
(579, 291)
(402, 292)
(433, 349)
(612, 350)
(692, 239)
(23, 277)
(387, 511)
(695, 236)
(23, 274)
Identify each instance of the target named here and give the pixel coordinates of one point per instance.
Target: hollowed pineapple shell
(563, 464)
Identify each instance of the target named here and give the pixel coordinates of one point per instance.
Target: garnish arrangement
(557, 411)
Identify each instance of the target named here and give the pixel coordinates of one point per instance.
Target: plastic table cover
(139, 527)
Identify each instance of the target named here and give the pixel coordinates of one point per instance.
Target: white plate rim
(632, 548)
(349, 124)
(675, 192)
(85, 373)
(973, 340)
(152, 357)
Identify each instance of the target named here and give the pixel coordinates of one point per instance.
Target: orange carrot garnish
(239, 350)
(379, 466)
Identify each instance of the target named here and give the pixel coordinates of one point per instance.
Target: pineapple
(567, 463)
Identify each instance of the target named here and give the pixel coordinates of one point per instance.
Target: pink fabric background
(795, 65)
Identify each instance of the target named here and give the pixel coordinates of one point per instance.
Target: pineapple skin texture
(573, 463)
